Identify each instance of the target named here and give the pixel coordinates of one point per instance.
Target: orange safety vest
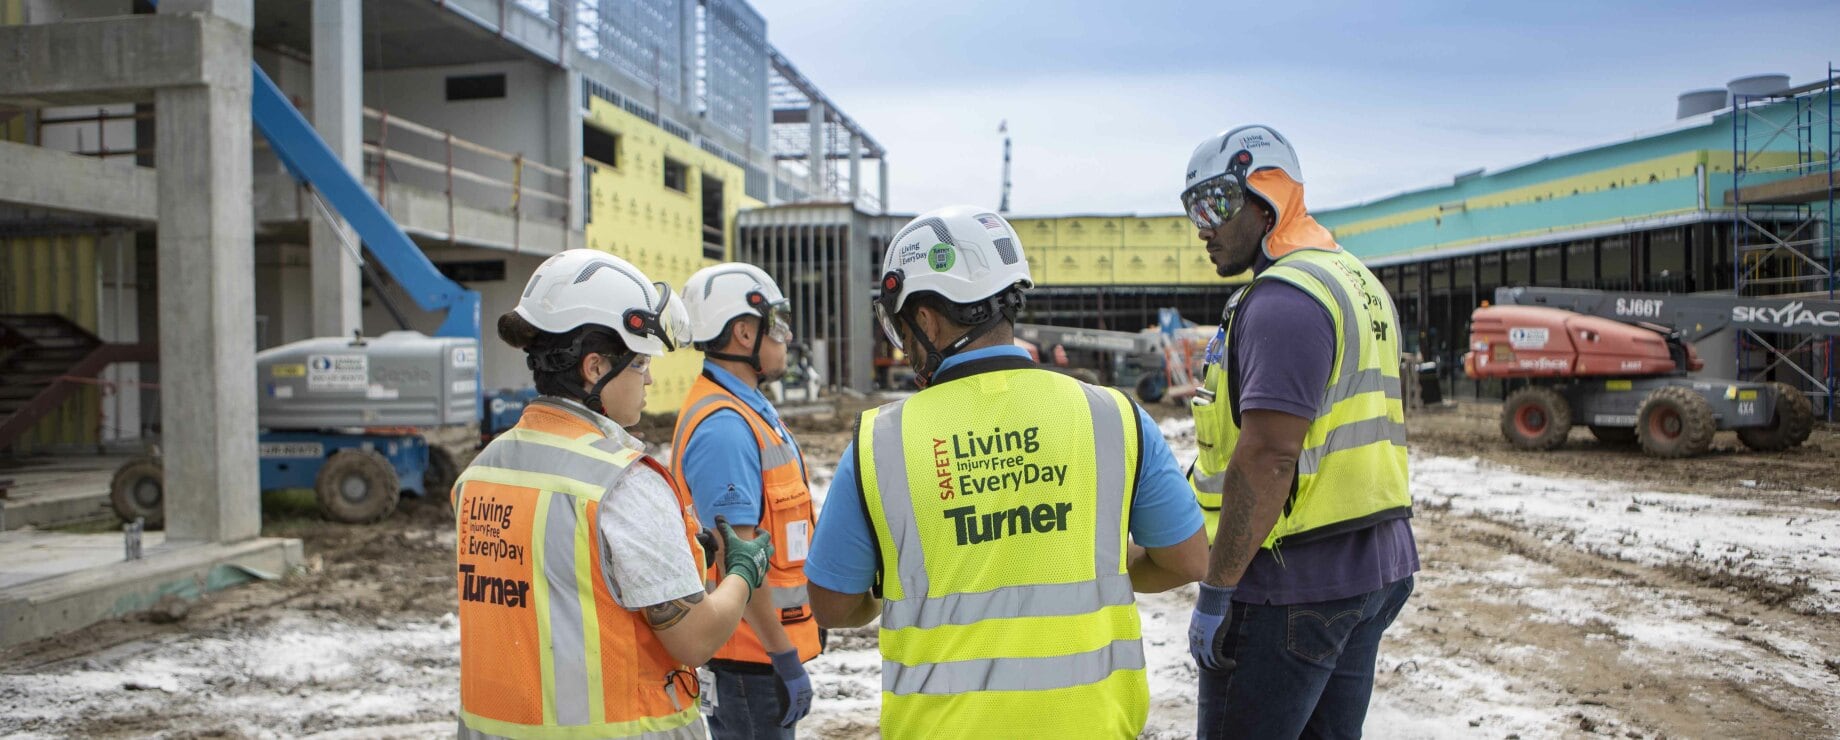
(787, 516)
(545, 651)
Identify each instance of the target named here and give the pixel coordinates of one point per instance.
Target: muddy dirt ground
(1519, 626)
(1809, 473)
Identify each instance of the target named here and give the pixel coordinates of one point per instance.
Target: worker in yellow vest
(582, 595)
(1302, 466)
(739, 462)
(999, 520)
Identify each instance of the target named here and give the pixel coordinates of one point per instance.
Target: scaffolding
(812, 137)
(1782, 201)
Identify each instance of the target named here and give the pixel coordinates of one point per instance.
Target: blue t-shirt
(843, 550)
(1284, 347)
(722, 458)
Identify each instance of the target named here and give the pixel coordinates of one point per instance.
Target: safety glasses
(778, 314)
(669, 324)
(1212, 203)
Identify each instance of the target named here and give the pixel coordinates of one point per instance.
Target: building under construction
(154, 236)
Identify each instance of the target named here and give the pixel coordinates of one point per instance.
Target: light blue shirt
(722, 458)
(843, 550)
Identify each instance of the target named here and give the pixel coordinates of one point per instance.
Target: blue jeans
(747, 707)
(1302, 670)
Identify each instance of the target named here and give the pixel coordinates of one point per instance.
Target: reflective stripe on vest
(773, 453)
(528, 513)
(785, 503)
(1353, 463)
(1064, 651)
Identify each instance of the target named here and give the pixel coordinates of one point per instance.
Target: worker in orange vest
(741, 463)
(582, 594)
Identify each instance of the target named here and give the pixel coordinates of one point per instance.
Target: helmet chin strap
(752, 358)
(592, 397)
(935, 356)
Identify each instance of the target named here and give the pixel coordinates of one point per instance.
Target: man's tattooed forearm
(1233, 538)
(667, 615)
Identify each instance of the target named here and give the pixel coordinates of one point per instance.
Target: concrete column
(814, 156)
(207, 273)
(859, 353)
(855, 168)
(881, 168)
(338, 114)
(565, 138)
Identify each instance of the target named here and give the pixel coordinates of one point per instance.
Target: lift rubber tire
(1150, 388)
(1789, 426)
(139, 491)
(1615, 436)
(357, 487)
(1675, 422)
(1536, 418)
(438, 479)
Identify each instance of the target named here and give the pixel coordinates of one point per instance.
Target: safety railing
(100, 120)
(399, 151)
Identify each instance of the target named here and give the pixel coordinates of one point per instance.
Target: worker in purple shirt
(1302, 466)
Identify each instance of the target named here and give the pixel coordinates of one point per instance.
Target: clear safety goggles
(884, 306)
(779, 321)
(1212, 203)
(669, 324)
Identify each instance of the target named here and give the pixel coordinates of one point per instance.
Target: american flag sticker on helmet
(991, 223)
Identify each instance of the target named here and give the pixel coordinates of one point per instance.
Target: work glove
(745, 558)
(1206, 633)
(711, 548)
(794, 686)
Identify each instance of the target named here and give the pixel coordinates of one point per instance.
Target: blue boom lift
(358, 470)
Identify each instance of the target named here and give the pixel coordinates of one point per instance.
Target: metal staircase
(44, 359)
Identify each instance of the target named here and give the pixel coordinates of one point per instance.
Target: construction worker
(1302, 467)
(582, 597)
(998, 520)
(741, 463)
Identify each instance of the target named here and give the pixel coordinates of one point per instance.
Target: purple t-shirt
(1284, 347)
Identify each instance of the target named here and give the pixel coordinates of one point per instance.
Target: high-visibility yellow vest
(1352, 473)
(786, 514)
(1000, 502)
(545, 651)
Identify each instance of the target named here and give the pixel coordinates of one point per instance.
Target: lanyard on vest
(1228, 317)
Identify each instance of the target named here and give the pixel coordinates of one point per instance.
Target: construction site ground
(1582, 592)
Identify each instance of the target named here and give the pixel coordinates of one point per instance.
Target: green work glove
(746, 558)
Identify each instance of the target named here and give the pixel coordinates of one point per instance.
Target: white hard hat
(716, 294)
(964, 253)
(588, 287)
(1217, 179)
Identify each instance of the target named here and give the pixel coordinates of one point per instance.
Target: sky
(1105, 100)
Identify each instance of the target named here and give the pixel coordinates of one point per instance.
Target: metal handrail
(385, 154)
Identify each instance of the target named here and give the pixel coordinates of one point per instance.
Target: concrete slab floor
(28, 555)
(52, 491)
(52, 582)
